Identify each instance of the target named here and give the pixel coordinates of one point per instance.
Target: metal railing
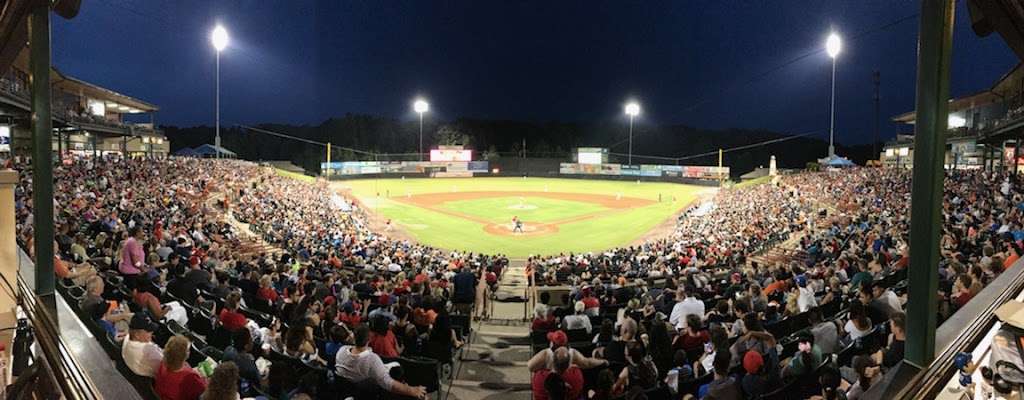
(55, 358)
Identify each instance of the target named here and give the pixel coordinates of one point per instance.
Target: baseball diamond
(557, 215)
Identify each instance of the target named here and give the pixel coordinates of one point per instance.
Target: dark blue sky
(700, 63)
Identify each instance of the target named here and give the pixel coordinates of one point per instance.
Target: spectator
(223, 383)
(826, 334)
(230, 318)
(175, 379)
(681, 371)
(868, 373)
(358, 364)
(543, 319)
(465, 290)
(133, 257)
(723, 387)
(544, 359)
(719, 343)
(892, 354)
(807, 358)
(858, 325)
(382, 340)
(569, 379)
(240, 353)
(755, 382)
(144, 299)
(140, 354)
(687, 304)
(693, 338)
(578, 320)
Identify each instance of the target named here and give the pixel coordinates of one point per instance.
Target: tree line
(394, 139)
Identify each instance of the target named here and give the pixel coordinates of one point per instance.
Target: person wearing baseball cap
(544, 359)
(755, 381)
(141, 355)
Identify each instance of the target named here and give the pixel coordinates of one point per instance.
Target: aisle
(494, 364)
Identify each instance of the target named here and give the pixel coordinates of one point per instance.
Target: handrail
(67, 372)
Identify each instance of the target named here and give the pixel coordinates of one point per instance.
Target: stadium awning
(186, 152)
(211, 150)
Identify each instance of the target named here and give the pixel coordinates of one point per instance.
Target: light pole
(421, 106)
(832, 46)
(219, 38)
(632, 109)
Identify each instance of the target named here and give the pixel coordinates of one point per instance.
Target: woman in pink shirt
(133, 258)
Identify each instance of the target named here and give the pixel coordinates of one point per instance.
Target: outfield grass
(295, 175)
(608, 228)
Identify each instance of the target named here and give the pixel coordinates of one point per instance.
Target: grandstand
(129, 273)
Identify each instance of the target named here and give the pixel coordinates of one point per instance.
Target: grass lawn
(607, 228)
(295, 175)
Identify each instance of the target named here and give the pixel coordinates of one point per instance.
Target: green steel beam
(42, 149)
(934, 48)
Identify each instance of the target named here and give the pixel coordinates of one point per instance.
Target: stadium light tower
(832, 45)
(219, 39)
(632, 109)
(421, 106)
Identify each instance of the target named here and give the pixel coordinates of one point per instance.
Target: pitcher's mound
(528, 229)
(522, 207)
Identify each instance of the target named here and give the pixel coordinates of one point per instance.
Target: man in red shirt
(570, 376)
(230, 318)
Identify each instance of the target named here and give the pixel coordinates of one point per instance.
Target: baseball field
(557, 215)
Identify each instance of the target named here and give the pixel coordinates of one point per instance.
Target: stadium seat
(421, 371)
(578, 335)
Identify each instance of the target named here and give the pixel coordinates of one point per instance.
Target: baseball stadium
(437, 200)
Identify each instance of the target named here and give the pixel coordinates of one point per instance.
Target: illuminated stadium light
(632, 109)
(833, 45)
(956, 121)
(421, 106)
(219, 38)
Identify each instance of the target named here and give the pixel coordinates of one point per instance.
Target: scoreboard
(592, 155)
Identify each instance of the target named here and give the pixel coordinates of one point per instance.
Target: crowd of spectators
(167, 270)
(157, 255)
(696, 315)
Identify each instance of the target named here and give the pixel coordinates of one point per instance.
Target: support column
(1016, 154)
(8, 252)
(42, 152)
(934, 49)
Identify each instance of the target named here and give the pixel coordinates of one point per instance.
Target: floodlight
(421, 106)
(833, 45)
(219, 38)
(632, 109)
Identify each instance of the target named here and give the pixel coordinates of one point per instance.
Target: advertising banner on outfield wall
(650, 170)
(398, 167)
(647, 170)
(630, 170)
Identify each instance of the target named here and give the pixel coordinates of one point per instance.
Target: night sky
(709, 64)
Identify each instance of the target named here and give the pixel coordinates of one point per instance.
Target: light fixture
(833, 45)
(632, 109)
(956, 121)
(219, 38)
(421, 106)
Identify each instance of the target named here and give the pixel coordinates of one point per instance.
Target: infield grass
(598, 228)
